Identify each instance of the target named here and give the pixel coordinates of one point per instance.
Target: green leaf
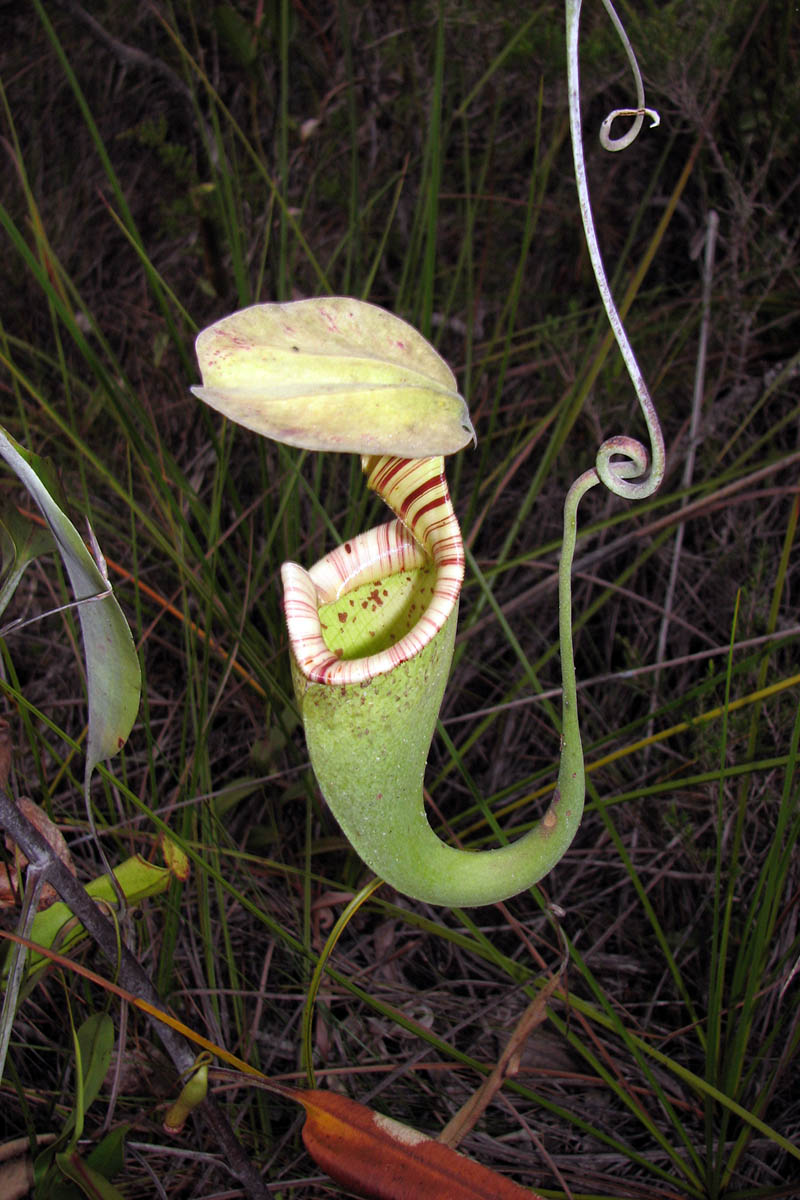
(21, 542)
(112, 667)
(333, 374)
(237, 35)
(94, 1043)
(108, 1156)
(96, 1040)
(90, 1182)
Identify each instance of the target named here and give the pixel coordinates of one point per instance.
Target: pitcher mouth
(425, 534)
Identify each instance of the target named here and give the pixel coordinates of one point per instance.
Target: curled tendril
(622, 464)
(640, 111)
(622, 143)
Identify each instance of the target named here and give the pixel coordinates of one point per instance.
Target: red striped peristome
(426, 530)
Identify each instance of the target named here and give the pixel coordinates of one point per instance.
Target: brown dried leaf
(380, 1159)
(507, 1066)
(9, 880)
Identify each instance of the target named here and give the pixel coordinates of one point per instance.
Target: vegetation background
(167, 163)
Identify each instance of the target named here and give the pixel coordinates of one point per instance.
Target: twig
(506, 1067)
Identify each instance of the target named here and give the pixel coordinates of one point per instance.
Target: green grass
(437, 183)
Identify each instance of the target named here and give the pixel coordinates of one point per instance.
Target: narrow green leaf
(21, 543)
(112, 667)
(96, 1038)
(92, 1184)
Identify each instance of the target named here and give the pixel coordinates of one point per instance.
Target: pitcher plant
(372, 625)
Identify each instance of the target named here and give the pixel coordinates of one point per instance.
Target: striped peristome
(426, 530)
